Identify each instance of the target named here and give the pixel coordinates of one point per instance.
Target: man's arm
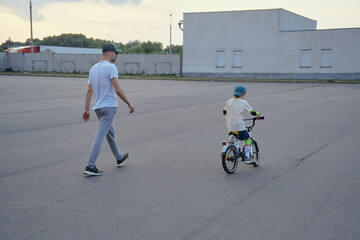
(120, 92)
(89, 93)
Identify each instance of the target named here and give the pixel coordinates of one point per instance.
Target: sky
(149, 20)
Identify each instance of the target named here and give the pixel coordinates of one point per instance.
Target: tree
(67, 40)
(137, 47)
(175, 49)
(152, 47)
(36, 41)
(97, 43)
(8, 44)
(80, 40)
(132, 47)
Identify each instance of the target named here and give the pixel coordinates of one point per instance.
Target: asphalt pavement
(173, 186)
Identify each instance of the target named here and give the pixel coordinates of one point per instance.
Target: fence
(3, 61)
(81, 63)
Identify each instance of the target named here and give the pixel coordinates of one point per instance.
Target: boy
(234, 109)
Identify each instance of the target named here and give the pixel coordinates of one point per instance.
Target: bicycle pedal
(247, 162)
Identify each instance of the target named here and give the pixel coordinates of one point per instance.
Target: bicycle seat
(235, 133)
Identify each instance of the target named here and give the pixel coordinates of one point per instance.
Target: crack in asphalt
(213, 219)
(196, 232)
(301, 160)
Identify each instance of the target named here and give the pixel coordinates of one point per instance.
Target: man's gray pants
(106, 128)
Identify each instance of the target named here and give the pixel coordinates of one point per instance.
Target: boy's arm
(256, 113)
(225, 109)
(252, 110)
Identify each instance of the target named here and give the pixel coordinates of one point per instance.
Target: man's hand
(86, 116)
(132, 108)
(89, 93)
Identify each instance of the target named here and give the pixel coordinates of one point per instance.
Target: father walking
(104, 84)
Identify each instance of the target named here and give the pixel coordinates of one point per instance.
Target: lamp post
(32, 41)
(170, 32)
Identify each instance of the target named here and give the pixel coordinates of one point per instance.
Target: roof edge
(252, 10)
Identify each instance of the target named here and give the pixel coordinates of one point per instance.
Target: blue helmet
(239, 90)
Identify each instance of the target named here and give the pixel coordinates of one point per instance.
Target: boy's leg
(106, 116)
(244, 136)
(248, 143)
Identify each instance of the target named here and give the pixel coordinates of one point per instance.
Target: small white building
(271, 43)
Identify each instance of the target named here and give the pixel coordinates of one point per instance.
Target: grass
(179, 78)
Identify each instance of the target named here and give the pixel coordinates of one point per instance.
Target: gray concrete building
(272, 43)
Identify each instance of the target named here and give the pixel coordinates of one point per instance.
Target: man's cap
(110, 47)
(239, 90)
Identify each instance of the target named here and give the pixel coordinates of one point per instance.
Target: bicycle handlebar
(253, 119)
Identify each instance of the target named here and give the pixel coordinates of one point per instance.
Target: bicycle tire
(229, 160)
(256, 154)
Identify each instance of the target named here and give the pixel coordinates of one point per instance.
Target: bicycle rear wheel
(229, 160)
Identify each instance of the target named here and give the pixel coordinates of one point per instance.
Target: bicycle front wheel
(255, 154)
(229, 160)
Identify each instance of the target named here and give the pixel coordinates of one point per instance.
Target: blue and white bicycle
(233, 150)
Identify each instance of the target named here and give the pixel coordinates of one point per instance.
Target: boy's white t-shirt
(100, 77)
(235, 107)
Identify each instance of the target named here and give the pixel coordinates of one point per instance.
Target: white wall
(3, 61)
(204, 33)
(292, 22)
(267, 43)
(126, 63)
(342, 44)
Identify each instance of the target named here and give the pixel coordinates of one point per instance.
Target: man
(104, 84)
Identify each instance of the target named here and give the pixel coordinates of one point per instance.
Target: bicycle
(234, 149)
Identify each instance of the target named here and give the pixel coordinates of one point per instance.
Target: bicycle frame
(237, 145)
(237, 142)
(227, 144)
(234, 150)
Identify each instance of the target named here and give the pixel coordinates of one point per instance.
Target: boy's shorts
(241, 135)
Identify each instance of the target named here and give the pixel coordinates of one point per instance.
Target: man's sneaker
(93, 171)
(122, 161)
(248, 160)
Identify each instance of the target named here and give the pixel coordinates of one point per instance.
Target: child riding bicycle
(233, 111)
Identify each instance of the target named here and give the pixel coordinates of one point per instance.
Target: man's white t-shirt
(100, 77)
(235, 109)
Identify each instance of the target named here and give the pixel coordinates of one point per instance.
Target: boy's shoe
(93, 171)
(248, 160)
(122, 161)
